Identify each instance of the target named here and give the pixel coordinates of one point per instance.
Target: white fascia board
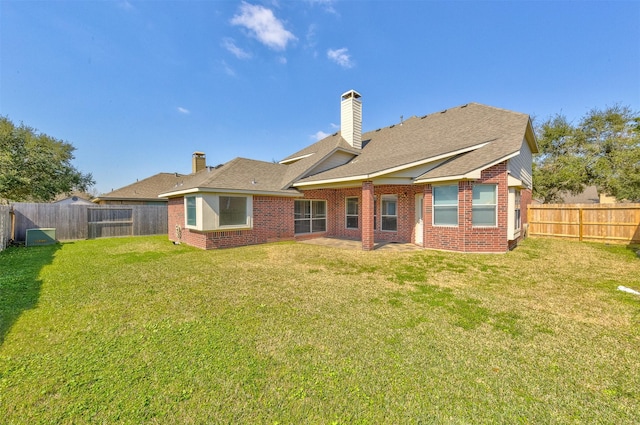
(393, 169)
(297, 158)
(227, 190)
(333, 181)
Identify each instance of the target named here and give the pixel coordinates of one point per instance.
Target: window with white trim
(389, 212)
(212, 211)
(485, 205)
(351, 213)
(310, 216)
(232, 211)
(445, 205)
(190, 211)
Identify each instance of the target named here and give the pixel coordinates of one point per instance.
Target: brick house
(458, 179)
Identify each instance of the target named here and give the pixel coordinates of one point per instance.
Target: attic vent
(464, 106)
(442, 112)
(391, 126)
(424, 116)
(379, 129)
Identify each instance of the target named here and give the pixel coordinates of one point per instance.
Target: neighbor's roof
(239, 175)
(144, 190)
(472, 136)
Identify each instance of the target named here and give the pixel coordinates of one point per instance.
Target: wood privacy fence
(5, 226)
(88, 221)
(611, 223)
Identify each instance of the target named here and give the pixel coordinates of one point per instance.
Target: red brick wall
(273, 218)
(465, 237)
(272, 221)
(336, 212)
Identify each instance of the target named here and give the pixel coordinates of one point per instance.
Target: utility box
(39, 237)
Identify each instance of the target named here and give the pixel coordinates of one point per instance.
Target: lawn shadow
(20, 281)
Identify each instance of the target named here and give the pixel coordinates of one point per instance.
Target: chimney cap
(198, 153)
(351, 93)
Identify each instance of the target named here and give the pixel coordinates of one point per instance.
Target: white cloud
(228, 70)
(125, 5)
(326, 4)
(263, 25)
(184, 111)
(320, 135)
(230, 45)
(341, 57)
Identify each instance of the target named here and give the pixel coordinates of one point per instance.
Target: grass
(138, 330)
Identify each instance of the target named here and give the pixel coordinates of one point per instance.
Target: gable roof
(144, 190)
(449, 145)
(240, 175)
(472, 136)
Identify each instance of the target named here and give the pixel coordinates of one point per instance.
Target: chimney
(198, 162)
(351, 118)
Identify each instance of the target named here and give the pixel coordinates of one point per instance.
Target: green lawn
(138, 330)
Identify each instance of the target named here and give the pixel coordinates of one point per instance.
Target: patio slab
(357, 245)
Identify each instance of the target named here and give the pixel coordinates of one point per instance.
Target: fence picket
(88, 221)
(610, 223)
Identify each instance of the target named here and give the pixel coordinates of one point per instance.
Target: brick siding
(273, 218)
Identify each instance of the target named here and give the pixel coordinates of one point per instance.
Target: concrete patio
(357, 245)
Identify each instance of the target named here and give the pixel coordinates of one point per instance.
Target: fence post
(580, 223)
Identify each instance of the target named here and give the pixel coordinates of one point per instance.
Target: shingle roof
(434, 135)
(469, 137)
(239, 174)
(146, 189)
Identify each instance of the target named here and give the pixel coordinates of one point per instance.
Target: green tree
(36, 167)
(602, 150)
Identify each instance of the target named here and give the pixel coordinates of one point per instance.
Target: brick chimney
(351, 118)
(198, 162)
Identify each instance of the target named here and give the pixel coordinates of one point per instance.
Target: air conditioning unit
(39, 237)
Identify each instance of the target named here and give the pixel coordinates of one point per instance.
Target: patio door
(419, 226)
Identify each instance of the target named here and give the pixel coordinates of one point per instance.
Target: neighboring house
(146, 191)
(589, 195)
(459, 180)
(73, 200)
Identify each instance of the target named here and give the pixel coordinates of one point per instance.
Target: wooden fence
(611, 223)
(5, 226)
(88, 221)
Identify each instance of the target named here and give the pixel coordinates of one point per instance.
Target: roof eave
(394, 169)
(193, 190)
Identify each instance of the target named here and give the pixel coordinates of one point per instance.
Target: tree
(602, 150)
(36, 167)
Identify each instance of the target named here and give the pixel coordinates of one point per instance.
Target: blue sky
(137, 86)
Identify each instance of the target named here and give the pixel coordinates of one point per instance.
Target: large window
(212, 211)
(484, 208)
(389, 212)
(190, 206)
(352, 213)
(232, 210)
(445, 205)
(310, 216)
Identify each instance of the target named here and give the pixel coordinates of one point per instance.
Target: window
(190, 205)
(352, 213)
(517, 219)
(445, 205)
(484, 206)
(310, 216)
(232, 211)
(389, 212)
(212, 211)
